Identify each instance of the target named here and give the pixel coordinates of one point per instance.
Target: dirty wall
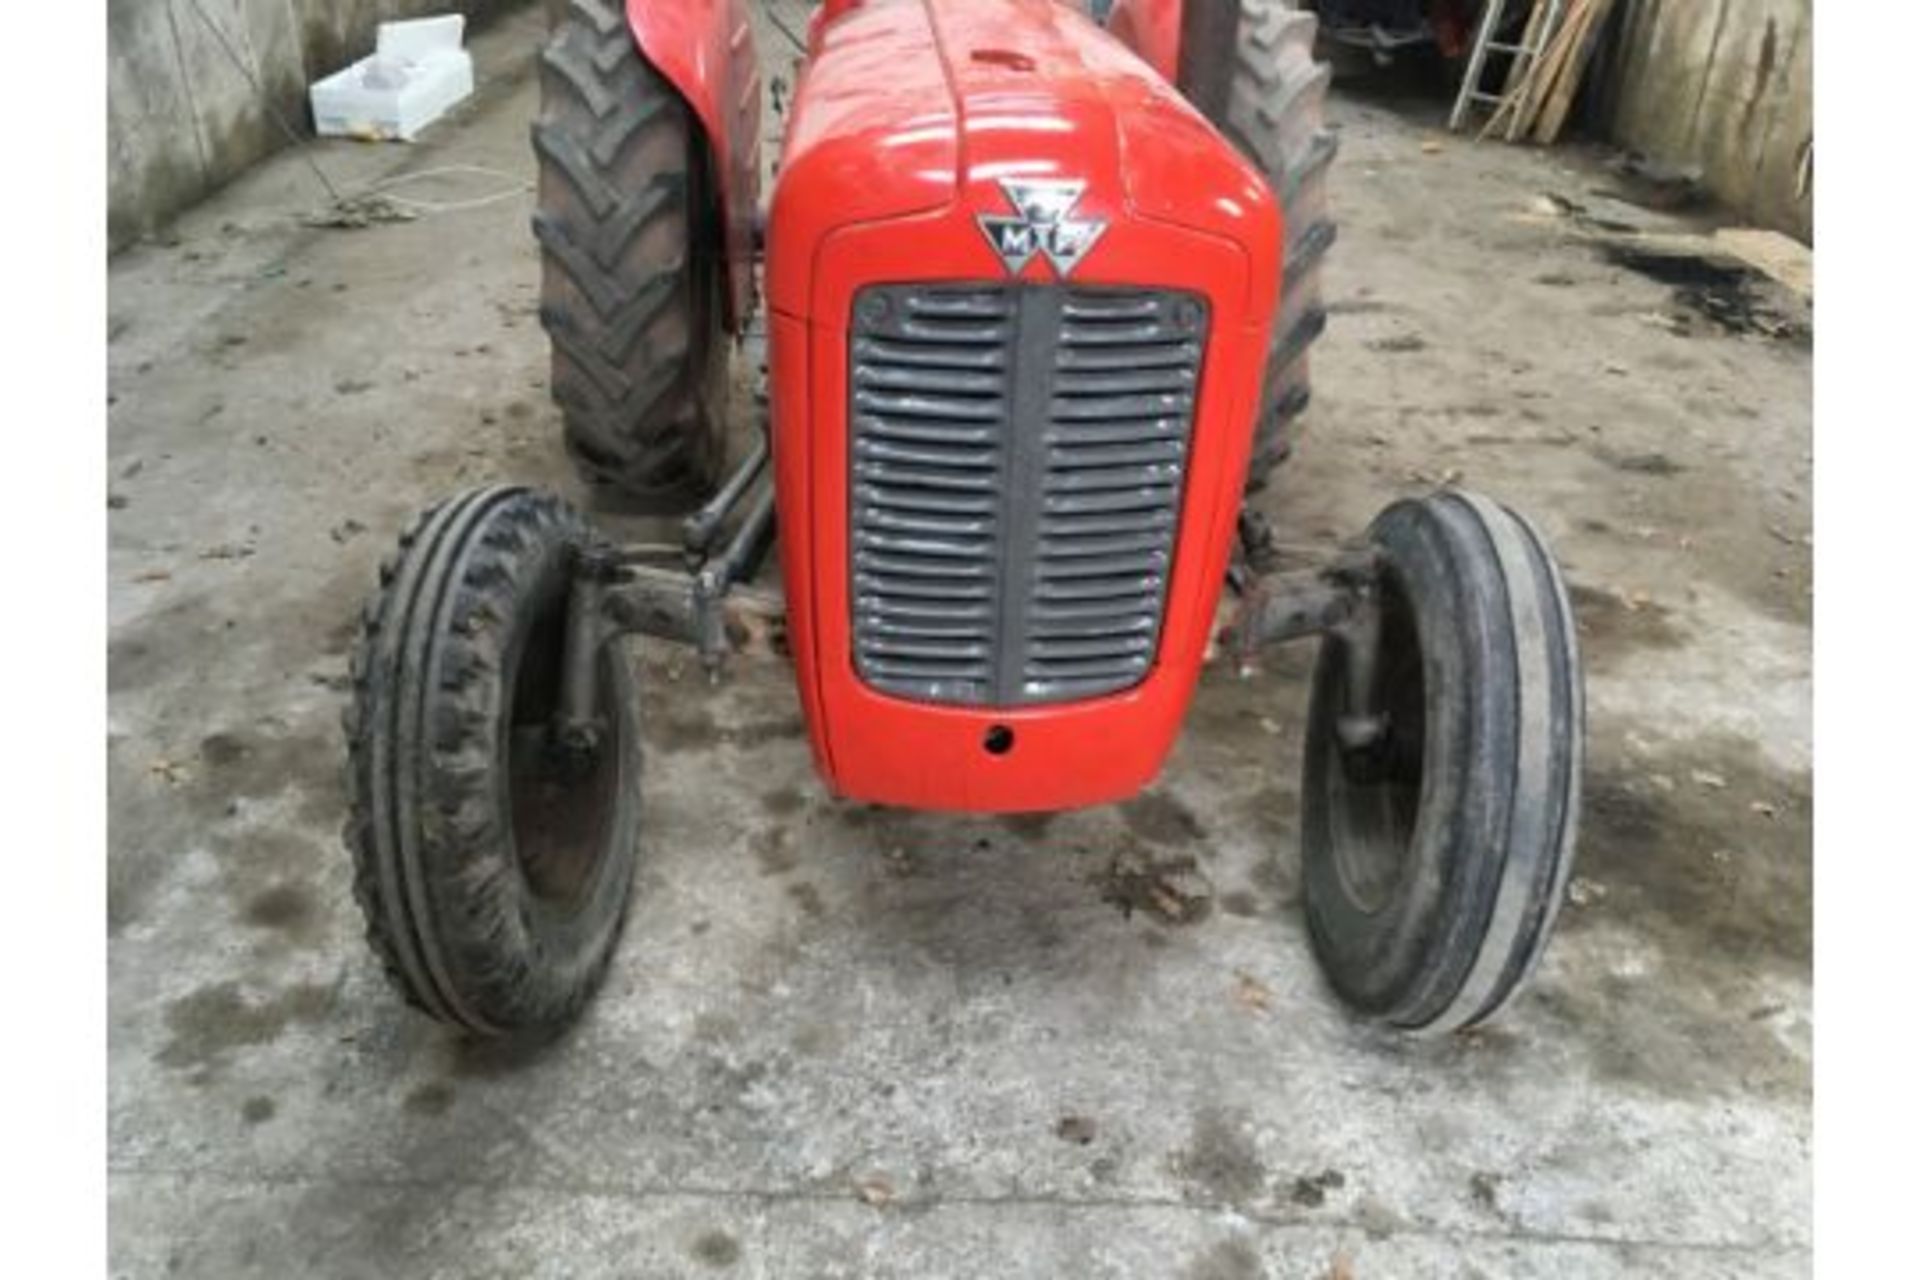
(1724, 87)
(182, 118)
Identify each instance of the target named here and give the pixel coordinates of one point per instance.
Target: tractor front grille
(1019, 454)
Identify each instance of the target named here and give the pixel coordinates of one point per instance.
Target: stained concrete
(841, 1041)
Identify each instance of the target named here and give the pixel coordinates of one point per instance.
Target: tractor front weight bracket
(1273, 608)
(1338, 600)
(707, 603)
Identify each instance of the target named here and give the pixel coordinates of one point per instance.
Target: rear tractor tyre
(632, 272)
(491, 859)
(1259, 83)
(1442, 772)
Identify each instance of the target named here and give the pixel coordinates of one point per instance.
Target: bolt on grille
(1019, 454)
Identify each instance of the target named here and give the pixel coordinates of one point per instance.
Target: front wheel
(1442, 775)
(492, 859)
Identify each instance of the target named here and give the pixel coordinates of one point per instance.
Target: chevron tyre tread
(1275, 113)
(493, 873)
(631, 275)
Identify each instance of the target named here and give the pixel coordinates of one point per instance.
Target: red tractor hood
(977, 145)
(912, 106)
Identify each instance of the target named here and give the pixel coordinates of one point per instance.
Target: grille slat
(936, 357)
(1142, 587)
(935, 433)
(1158, 479)
(1105, 408)
(873, 561)
(936, 502)
(927, 403)
(937, 525)
(961, 459)
(902, 477)
(1169, 379)
(1074, 455)
(1112, 359)
(1018, 459)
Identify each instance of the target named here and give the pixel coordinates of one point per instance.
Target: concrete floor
(846, 1042)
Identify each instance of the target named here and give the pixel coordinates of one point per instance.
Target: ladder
(1542, 23)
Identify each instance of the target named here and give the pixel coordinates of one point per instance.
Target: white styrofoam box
(417, 72)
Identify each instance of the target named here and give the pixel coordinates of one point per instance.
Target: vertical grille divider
(1030, 384)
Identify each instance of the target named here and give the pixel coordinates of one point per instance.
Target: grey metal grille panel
(1019, 453)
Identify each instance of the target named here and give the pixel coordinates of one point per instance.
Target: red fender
(1151, 28)
(705, 49)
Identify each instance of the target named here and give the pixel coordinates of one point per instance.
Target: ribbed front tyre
(1442, 775)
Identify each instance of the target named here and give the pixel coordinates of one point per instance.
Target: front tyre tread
(1479, 834)
(465, 614)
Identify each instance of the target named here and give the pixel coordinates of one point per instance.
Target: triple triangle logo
(1043, 224)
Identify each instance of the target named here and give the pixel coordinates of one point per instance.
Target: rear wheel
(1255, 77)
(1442, 780)
(631, 263)
(492, 859)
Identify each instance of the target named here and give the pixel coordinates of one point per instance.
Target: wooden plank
(1519, 88)
(1553, 116)
(1534, 36)
(1541, 77)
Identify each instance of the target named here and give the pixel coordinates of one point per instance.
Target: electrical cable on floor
(520, 187)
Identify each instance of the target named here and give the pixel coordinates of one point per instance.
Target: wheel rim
(1375, 789)
(563, 800)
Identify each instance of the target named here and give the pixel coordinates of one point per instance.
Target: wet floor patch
(783, 802)
(1227, 1260)
(156, 649)
(774, 851)
(1241, 903)
(287, 907)
(716, 1249)
(233, 765)
(1219, 1162)
(209, 1025)
(1692, 889)
(808, 899)
(1613, 626)
(1705, 848)
(1161, 817)
(264, 875)
(1726, 292)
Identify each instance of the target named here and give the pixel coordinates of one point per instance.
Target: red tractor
(1038, 298)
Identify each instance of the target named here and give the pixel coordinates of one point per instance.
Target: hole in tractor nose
(999, 740)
